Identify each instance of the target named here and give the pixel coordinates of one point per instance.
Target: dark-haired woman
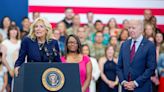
(74, 55)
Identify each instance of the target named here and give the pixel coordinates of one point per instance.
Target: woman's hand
(111, 84)
(16, 71)
(83, 90)
(11, 72)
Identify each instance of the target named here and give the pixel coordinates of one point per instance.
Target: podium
(30, 78)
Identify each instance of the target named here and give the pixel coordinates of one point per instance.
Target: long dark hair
(1, 25)
(88, 48)
(78, 43)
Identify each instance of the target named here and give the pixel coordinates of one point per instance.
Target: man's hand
(125, 85)
(155, 80)
(129, 85)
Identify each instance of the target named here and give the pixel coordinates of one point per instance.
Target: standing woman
(149, 30)
(74, 55)
(124, 35)
(159, 38)
(3, 75)
(38, 46)
(11, 45)
(95, 68)
(161, 68)
(109, 80)
(113, 27)
(5, 24)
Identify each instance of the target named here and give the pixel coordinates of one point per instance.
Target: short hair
(35, 12)
(123, 22)
(89, 12)
(138, 22)
(97, 22)
(67, 8)
(76, 15)
(46, 24)
(12, 27)
(25, 17)
(98, 32)
(147, 10)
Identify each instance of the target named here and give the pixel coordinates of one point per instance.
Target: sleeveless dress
(110, 72)
(82, 68)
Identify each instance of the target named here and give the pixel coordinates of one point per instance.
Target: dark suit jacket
(142, 66)
(30, 49)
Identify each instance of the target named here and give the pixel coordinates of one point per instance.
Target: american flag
(53, 10)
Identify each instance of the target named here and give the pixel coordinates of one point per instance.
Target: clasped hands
(129, 85)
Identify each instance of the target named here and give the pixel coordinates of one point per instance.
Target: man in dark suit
(137, 60)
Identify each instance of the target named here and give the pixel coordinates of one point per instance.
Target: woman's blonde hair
(153, 28)
(47, 26)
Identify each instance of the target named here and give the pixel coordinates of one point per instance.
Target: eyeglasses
(74, 43)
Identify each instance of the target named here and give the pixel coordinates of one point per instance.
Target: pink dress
(82, 68)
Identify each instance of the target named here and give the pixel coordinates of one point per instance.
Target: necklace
(41, 45)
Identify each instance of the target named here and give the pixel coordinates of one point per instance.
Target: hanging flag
(53, 10)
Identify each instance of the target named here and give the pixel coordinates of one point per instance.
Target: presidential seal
(53, 79)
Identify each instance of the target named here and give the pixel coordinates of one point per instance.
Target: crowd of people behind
(100, 45)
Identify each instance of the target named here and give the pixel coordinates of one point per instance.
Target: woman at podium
(38, 45)
(74, 55)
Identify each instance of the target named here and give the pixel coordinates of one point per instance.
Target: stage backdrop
(15, 9)
(103, 9)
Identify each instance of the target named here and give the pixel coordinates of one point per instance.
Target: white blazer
(95, 74)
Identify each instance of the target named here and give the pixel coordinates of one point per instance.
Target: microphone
(46, 51)
(54, 51)
(47, 54)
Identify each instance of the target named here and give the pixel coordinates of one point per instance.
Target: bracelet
(116, 82)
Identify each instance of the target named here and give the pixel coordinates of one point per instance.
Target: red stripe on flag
(131, 11)
(161, 27)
